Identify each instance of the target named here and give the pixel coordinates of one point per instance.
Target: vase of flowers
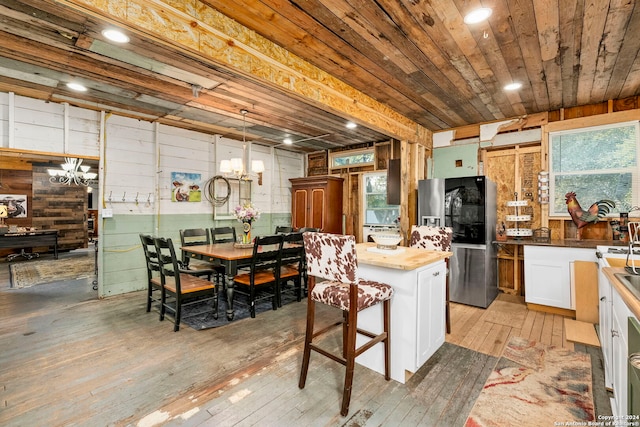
(246, 214)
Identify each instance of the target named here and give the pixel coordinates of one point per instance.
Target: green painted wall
(444, 161)
(121, 260)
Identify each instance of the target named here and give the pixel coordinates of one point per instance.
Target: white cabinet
(417, 317)
(605, 319)
(620, 353)
(547, 274)
(614, 329)
(430, 312)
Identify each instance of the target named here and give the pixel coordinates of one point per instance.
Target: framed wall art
(16, 205)
(186, 187)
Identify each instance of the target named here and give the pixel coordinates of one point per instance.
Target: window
(346, 159)
(376, 209)
(596, 163)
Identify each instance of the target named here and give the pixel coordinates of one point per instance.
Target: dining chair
(292, 266)
(435, 239)
(196, 237)
(153, 267)
(179, 288)
(283, 229)
(223, 235)
(261, 281)
(333, 257)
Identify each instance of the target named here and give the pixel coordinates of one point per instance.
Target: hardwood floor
(68, 358)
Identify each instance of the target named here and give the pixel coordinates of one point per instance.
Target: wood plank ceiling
(416, 57)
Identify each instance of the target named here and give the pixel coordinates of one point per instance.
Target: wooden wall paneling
(500, 167)
(16, 182)
(350, 196)
(514, 170)
(61, 207)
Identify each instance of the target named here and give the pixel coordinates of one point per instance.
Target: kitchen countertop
(567, 243)
(632, 302)
(408, 259)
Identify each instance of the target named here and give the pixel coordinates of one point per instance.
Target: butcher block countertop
(632, 302)
(404, 259)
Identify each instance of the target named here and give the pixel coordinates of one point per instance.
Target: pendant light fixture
(236, 167)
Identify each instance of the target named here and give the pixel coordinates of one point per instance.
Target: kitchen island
(417, 306)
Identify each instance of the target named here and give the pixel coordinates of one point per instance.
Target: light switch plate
(107, 213)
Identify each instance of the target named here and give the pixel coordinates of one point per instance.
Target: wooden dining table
(228, 255)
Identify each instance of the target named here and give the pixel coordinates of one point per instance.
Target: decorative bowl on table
(387, 240)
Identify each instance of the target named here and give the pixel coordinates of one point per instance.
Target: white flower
(246, 212)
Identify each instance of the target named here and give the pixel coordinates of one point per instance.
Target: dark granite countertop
(567, 243)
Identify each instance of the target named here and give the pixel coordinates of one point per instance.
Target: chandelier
(235, 167)
(72, 172)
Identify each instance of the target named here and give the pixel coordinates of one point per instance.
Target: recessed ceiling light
(513, 86)
(76, 86)
(351, 125)
(116, 36)
(477, 15)
(287, 141)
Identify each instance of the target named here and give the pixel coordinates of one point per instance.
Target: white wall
(139, 156)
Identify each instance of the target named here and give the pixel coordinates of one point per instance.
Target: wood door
(300, 208)
(317, 208)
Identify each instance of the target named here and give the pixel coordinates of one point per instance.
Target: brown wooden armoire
(317, 202)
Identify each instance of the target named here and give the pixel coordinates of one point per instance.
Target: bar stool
(435, 239)
(333, 257)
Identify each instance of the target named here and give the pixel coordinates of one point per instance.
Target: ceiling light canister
(513, 86)
(478, 15)
(115, 35)
(351, 125)
(77, 87)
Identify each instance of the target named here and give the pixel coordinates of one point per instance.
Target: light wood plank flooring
(67, 358)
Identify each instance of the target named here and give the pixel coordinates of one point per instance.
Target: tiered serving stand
(518, 232)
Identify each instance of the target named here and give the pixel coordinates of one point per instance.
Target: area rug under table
(30, 273)
(535, 384)
(200, 316)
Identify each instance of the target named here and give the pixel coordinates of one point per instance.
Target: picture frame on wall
(186, 187)
(16, 205)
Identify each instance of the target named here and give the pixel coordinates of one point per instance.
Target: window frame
(351, 153)
(635, 170)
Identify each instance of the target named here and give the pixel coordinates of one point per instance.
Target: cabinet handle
(603, 298)
(615, 333)
(437, 273)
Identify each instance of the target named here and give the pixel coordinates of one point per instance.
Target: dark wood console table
(30, 239)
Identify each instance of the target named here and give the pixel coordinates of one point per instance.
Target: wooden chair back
(282, 229)
(192, 237)
(169, 265)
(223, 235)
(153, 267)
(150, 255)
(179, 284)
(309, 229)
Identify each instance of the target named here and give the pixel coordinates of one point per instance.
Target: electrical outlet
(107, 213)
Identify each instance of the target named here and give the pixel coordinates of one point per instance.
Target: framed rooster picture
(186, 187)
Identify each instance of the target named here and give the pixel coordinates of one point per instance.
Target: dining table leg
(229, 289)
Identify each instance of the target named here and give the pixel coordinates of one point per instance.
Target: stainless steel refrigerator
(468, 206)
